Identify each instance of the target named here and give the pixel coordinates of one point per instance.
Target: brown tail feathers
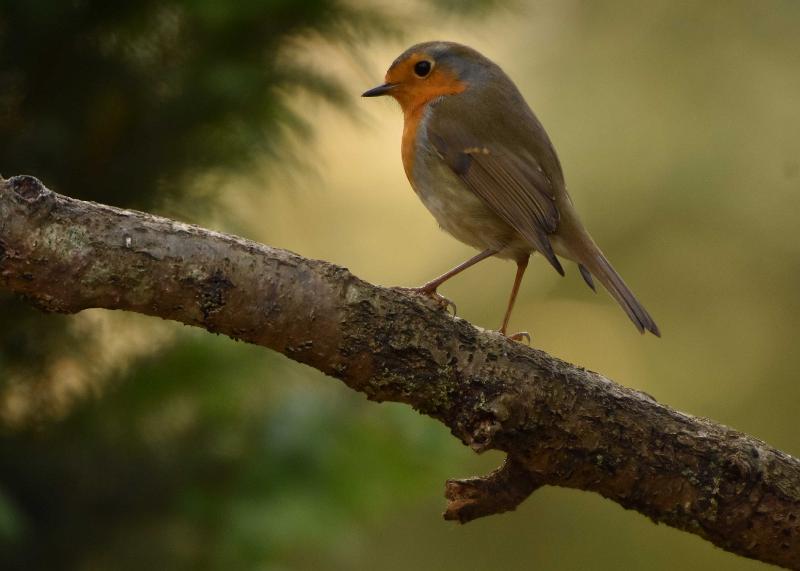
(601, 268)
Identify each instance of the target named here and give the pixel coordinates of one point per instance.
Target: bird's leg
(434, 284)
(521, 265)
(430, 288)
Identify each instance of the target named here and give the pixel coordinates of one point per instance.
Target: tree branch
(559, 424)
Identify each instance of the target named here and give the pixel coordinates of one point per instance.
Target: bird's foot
(519, 337)
(432, 294)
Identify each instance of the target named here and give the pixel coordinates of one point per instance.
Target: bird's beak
(380, 90)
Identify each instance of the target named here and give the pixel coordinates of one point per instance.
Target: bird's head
(429, 70)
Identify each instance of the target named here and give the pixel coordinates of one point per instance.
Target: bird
(483, 165)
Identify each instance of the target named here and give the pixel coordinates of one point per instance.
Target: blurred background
(131, 443)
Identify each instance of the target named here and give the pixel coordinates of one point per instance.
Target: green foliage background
(127, 443)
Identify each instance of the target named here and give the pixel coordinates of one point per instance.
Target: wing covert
(512, 183)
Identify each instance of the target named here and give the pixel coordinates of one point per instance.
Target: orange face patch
(412, 91)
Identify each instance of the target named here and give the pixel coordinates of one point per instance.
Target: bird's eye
(422, 68)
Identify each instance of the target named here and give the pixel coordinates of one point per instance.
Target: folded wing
(510, 181)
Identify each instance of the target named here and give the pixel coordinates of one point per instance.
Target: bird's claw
(445, 302)
(432, 294)
(518, 337)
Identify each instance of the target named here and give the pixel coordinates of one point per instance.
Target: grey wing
(511, 183)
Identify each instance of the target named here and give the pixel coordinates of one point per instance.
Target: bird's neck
(415, 106)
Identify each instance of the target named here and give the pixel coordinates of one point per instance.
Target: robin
(483, 165)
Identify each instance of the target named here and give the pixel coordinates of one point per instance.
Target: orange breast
(414, 100)
(409, 142)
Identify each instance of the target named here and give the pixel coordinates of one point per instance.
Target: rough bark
(559, 424)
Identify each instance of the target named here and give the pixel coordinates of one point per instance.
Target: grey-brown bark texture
(559, 424)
